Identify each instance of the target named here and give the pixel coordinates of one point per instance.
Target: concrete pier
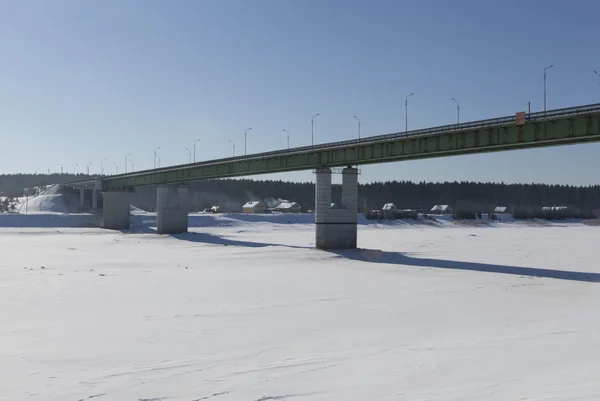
(172, 209)
(116, 210)
(81, 198)
(336, 228)
(95, 191)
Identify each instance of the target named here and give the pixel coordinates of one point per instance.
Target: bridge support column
(171, 209)
(115, 210)
(336, 228)
(97, 188)
(81, 198)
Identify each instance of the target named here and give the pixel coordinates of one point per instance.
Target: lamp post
(233, 144)
(102, 166)
(116, 168)
(312, 131)
(246, 139)
(358, 126)
(288, 137)
(190, 153)
(75, 168)
(88, 168)
(550, 66)
(195, 142)
(457, 110)
(132, 167)
(127, 161)
(596, 72)
(155, 156)
(406, 112)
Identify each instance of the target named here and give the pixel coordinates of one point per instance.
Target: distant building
(254, 207)
(501, 209)
(388, 210)
(287, 207)
(554, 208)
(442, 209)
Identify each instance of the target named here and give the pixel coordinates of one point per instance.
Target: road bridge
(336, 228)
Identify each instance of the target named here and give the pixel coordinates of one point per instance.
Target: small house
(254, 207)
(389, 210)
(442, 209)
(287, 207)
(388, 206)
(501, 209)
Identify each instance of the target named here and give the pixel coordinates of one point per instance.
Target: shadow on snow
(397, 258)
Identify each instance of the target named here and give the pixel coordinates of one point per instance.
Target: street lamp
(127, 161)
(596, 72)
(233, 144)
(74, 168)
(132, 168)
(116, 168)
(457, 110)
(312, 124)
(288, 137)
(358, 126)
(190, 153)
(196, 141)
(550, 66)
(102, 166)
(155, 156)
(406, 112)
(246, 139)
(88, 168)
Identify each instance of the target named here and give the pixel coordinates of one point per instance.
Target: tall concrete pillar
(322, 194)
(81, 198)
(336, 228)
(97, 188)
(171, 209)
(115, 211)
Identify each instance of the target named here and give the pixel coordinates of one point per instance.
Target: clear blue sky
(85, 80)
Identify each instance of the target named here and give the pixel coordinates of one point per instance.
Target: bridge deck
(555, 127)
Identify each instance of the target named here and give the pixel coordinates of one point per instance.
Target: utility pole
(312, 132)
(288, 137)
(196, 141)
(155, 157)
(550, 66)
(233, 144)
(358, 126)
(406, 112)
(457, 111)
(246, 139)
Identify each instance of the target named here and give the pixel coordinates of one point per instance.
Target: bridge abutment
(172, 209)
(115, 210)
(336, 228)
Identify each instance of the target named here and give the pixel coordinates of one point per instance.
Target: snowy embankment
(246, 310)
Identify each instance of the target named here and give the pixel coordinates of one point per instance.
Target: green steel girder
(533, 134)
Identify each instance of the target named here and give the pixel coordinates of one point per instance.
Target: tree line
(231, 194)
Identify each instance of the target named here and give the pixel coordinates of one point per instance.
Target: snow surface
(245, 309)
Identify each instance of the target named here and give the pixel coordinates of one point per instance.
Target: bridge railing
(542, 115)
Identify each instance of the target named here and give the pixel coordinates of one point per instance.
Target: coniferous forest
(231, 194)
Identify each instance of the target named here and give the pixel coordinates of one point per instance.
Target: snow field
(247, 310)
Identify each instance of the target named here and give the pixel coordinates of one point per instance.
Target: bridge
(336, 228)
